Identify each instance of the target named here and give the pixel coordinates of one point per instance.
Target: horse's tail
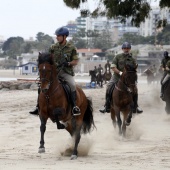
(88, 121)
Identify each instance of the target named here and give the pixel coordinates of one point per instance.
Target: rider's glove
(120, 73)
(66, 64)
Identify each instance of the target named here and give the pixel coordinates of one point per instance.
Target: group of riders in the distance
(160, 75)
(99, 75)
(65, 53)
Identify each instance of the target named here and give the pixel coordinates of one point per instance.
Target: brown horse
(122, 98)
(54, 103)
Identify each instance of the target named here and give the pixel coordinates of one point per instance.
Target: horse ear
(136, 66)
(40, 54)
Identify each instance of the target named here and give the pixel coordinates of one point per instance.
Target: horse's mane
(45, 57)
(130, 66)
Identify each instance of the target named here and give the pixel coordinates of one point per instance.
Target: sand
(147, 145)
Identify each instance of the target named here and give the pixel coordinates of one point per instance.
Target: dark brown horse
(92, 73)
(54, 103)
(100, 78)
(122, 98)
(167, 96)
(107, 75)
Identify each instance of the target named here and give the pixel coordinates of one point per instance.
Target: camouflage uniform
(167, 76)
(119, 62)
(164, 61)
(62, 54)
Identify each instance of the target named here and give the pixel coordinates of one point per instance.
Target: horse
(107, 75)
(150, 76)
(54, 103)
(100, 78)
(122, 98)
(166, 97)
(92, 73)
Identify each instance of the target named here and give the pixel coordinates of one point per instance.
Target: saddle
(67, 90)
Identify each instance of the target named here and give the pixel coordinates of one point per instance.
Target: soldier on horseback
(117, 67)
(65, 57)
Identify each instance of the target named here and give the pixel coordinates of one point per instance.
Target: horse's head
(46, 70)
(129, 77)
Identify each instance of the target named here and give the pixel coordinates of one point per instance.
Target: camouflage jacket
(164, 61)
(62, 54)
(168, 65)
(119, 62)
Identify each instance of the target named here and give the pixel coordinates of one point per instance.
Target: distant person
(95, 69)
(164, 62)
(100, 69)
(107, 66)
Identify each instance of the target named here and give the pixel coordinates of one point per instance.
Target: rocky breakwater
(25, 84)
(18, 85)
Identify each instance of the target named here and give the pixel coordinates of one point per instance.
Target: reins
(126, 86)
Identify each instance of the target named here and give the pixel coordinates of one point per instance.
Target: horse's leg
(124, 128)
(113, 117)
(119, 121)
(77, 140)
(129, 116)
(57, 112)
(101, 83)
(42, 130)
(74, 129)
(126, 116)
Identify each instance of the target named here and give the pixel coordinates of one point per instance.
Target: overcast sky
(26, 18)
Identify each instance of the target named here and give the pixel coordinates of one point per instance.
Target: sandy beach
(146, 146)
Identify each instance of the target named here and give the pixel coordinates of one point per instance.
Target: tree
(138, 10)
(13, 46)
(44, 41)
(164, 36)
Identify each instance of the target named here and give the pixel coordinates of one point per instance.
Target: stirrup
(76, 111)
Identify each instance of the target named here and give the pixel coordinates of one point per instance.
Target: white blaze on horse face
(44, 67)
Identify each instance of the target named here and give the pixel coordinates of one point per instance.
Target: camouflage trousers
(69, 79)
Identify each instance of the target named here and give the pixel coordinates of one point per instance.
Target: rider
(107, 66)
(65, 57)
(163, 66)
(95, 70)
(117, 67)
(100, 69)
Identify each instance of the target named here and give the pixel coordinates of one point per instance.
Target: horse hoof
(73, 157)
(41, 150)
(126, 123)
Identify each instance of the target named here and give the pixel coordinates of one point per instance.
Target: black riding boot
(35, 111)
(136, 108)
(76, 109)
(107, 104)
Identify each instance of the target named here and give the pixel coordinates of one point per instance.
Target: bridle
(125, 83)
(43, 77)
